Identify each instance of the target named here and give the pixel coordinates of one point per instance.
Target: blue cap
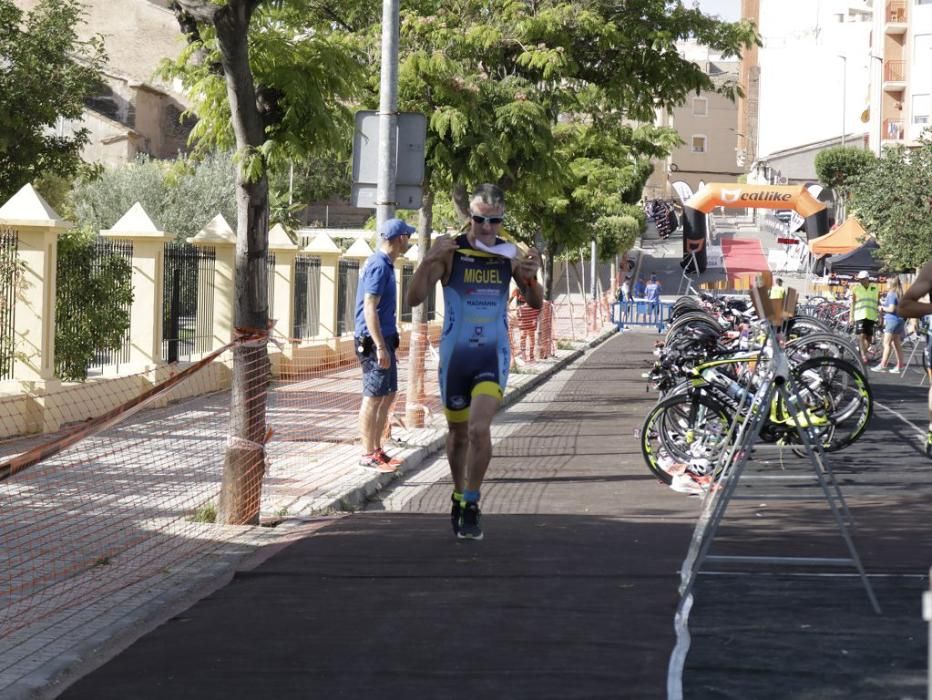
(395, 227)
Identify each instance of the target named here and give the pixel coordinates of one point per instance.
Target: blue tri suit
(475, 351)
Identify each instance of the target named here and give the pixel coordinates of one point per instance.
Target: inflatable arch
(738, 196)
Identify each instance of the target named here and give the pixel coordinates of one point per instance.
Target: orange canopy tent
(842, 240)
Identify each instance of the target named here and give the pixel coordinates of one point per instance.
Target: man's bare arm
(432, 268)
(910, 306)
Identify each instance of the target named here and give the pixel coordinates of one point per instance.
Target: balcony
(895, 17)
(894, 76)
(893, 130)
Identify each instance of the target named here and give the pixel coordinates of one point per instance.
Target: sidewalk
(572, 593)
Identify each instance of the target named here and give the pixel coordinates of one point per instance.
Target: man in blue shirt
(376, 338)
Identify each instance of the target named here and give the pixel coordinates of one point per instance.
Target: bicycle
(696, 419)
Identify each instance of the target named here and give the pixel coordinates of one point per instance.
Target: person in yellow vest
(865, 305)
(777, 291)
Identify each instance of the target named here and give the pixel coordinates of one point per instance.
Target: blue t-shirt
(653, 291)
(377, 278)
(890, 300)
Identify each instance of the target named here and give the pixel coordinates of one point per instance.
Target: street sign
(788, 241)
(409, 159)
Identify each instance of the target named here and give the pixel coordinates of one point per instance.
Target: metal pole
(388, 113)
(592, 268)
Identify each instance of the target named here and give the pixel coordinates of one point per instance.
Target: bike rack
(776, 382)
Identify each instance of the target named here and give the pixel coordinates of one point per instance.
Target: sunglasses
(487, 219)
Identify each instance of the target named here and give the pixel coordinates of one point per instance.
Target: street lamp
(844, 97)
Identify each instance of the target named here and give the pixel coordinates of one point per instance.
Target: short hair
(489, 194)
(779, 280)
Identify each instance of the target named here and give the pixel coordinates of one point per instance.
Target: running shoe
(896, 370)
(469, 526)
(383, 455)
(456, 515)
(373, 461)
(878, 368)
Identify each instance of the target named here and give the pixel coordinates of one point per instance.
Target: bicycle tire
(848, 400)
(665, 431)
(800, 349)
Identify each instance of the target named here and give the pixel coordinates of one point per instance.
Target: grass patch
(565, 345)
(206, 513)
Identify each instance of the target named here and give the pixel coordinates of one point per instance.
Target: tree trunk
(461, 201)
(244, 463)
(548, 274)
(417, 349)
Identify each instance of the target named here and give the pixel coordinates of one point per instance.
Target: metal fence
(9, 244)
(407, 273)
(348, 279)
(105, 357)
(188, 304)
(306, 297)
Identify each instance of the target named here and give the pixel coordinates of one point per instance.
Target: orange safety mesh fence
(129, 488)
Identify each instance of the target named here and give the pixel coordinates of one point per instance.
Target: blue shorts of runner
(376, 381)
(864, 327)
(895, 327)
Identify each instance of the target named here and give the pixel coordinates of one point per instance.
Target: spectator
(376, 336)
(652, 294)
(865, 303)
(640, 288)
(527, 317)
(777, 291)
(894, 327)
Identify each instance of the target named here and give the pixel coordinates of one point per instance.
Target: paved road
(572, 593)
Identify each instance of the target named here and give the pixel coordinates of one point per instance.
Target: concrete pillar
(145, 328)
(218, 235)
(283, 280)
(37, 228)
(323, 247)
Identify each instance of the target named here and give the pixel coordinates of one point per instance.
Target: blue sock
(471, 496)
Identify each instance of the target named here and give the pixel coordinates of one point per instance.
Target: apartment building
(901, 76)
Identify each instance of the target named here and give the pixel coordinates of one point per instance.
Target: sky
(727, 9)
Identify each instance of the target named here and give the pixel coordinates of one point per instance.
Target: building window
(700, 107)
(698, 144)
(921, 108)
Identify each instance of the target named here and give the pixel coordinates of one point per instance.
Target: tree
(892, 200)
(45, 75)
(92, 297)
(838, 167)
(288, 100)
(183, 196)
(500, 79)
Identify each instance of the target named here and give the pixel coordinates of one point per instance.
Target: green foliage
(93, 295)
(306, 66)
(892, 201)
(179, 197)
(45, 74)
(837, 167)
(615, 235)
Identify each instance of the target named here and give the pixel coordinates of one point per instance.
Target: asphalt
(573, 591)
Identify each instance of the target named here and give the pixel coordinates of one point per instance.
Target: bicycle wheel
(682, 427)
(801, 349)
(837, 391)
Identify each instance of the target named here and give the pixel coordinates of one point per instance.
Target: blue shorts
(895, 326)
(377, 382)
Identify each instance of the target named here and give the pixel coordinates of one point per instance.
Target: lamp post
(844, 96)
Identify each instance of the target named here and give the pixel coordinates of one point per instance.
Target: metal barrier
(640, 312)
